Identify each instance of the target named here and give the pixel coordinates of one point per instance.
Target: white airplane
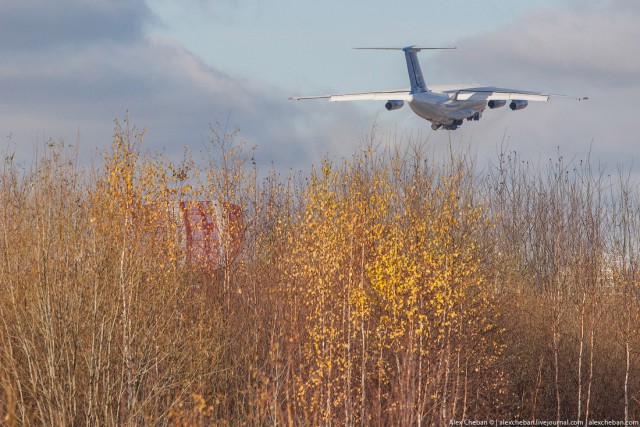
(445, 106)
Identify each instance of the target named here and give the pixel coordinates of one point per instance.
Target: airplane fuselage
(442, 109)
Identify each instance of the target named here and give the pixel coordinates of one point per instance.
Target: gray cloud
(586, 49)
(576, 46)
(41, 25)
(69, 90)
(64, 88)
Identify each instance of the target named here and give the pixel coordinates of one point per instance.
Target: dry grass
(388, 289)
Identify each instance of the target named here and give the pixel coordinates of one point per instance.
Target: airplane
(445, 106)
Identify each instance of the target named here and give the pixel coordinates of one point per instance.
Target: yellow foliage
(359, 297)
(384, 266)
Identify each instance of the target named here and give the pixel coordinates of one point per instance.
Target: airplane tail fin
(413, 65)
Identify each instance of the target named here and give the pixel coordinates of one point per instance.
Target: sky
(70, 68)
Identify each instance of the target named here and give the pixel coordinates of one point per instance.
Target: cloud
(101, 64)
(41, 25)
(578, 45)
(69, 75)
(584, 49)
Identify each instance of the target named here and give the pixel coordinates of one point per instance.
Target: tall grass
(387, 289)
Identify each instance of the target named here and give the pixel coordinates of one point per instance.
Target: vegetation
(387, 289)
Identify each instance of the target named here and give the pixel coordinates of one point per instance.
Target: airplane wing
(500, 95)
(388, 95)
(489, 93)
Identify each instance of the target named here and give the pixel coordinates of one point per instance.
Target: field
(390, 288)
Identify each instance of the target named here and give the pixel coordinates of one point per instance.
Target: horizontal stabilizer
(406, 48)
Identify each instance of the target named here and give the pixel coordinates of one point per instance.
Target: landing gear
(455, 123)
(452, 126)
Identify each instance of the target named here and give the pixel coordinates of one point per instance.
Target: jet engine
(393, 105)
(518, 105)
(496, 104)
